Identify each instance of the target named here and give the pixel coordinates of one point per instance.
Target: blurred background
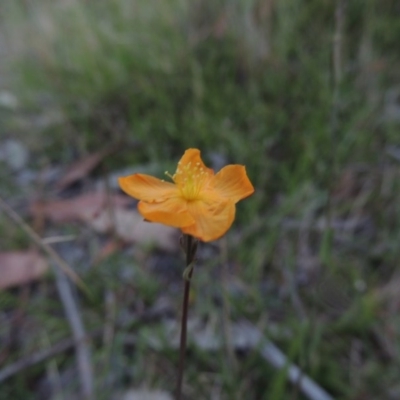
(305, 94)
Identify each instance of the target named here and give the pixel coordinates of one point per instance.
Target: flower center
(190, 180)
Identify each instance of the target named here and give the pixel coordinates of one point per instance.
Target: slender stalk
(190, 250)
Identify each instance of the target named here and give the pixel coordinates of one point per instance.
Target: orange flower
(199, 202)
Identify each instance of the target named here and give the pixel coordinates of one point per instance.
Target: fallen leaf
(130, 227)
(81, 168)
(20, 267)
(94, 210)
(78, 208)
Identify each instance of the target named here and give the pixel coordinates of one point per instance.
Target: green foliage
(246, 84)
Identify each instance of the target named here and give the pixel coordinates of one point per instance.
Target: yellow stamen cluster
(190, 180)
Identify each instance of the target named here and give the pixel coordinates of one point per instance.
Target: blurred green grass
(297, 92)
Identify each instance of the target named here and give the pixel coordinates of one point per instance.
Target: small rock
(8, 100)
(14, 154)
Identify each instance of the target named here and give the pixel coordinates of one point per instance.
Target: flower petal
(212, 220)
(232, 183)
(147, 188)
(189, 161)
(172, 212)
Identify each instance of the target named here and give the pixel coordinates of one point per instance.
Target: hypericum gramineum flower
(199, 202)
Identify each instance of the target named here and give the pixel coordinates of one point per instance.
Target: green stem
(190, 249)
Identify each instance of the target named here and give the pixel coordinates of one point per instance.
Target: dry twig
(78, 331)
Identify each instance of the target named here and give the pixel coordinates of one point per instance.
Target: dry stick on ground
(295, 375)
(245, 335)
(67, 298)
(78, 331)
